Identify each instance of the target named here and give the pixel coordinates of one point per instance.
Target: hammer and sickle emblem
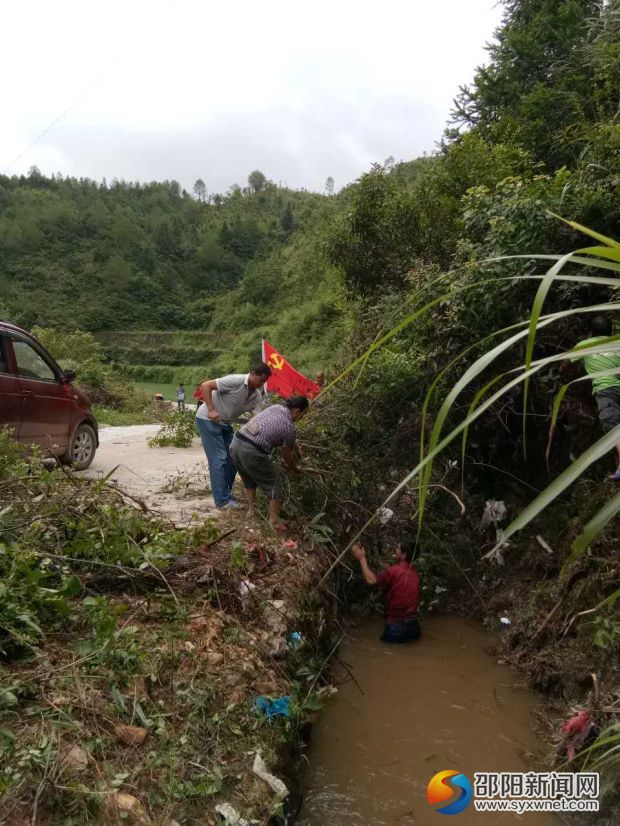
(276, 361)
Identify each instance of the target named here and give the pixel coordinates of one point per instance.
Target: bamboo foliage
(605, 257)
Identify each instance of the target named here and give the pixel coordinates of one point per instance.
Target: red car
(40, 404)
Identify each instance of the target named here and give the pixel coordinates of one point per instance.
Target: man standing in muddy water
(225, 400)
(401, 588)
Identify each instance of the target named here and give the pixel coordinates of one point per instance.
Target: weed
(238, 557)
(178, 430)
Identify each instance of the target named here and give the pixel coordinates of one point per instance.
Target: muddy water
(441, 703)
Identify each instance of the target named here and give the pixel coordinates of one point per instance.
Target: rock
(73, 761)
(130, 735)
(214, 657)
(121, 807)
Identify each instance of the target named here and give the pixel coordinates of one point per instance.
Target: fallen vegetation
(135, 658)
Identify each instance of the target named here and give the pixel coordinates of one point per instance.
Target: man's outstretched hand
(358, 552)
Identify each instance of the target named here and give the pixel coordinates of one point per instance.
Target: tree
(537, 85)
(375, 242)
(329, 185)
(287, 222)
(200, 189)
(257, 180)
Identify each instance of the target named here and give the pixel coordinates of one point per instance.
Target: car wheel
(82, 451)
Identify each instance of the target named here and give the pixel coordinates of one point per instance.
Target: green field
(168, 391)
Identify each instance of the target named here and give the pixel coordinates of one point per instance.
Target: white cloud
(187, 88)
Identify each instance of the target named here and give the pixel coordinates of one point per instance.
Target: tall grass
(604, 258)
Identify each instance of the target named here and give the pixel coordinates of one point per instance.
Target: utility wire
(84, 91)
(170, 5)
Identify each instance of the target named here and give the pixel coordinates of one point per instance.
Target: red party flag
(285, 381)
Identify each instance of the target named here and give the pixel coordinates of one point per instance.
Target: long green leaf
(459, 429)
(365, 362)
(612, 253)
(609, 242)
(610, 600)
(554, 417)
(553, 490)
(562, 391)
(609, 735)
(479, 395)
(473, 372)
(593, 528)
(431, 456)
(594, 308)
(577, 279)
(582, 262)
(539, 300)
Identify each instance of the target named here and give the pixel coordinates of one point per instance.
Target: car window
(30, 365)
(4, 364)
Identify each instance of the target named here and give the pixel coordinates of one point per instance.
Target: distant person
(252, 447)
(181, 398)
(225, 400)
(606, 388)
(401, 588)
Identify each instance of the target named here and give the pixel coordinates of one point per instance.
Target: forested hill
(129, 255)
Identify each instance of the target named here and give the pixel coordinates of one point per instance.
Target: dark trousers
(401, 632)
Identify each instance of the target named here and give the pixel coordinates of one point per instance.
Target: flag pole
(262, 351)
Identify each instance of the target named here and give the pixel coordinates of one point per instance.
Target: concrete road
(171, 480)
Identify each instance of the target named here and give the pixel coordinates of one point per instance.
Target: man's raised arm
(360, 554)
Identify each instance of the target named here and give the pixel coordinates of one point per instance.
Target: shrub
(178, 430)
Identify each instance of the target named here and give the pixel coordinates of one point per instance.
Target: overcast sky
(161, 89)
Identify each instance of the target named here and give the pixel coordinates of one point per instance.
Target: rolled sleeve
(384, 578)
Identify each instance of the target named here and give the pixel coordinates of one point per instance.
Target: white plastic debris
(439, 589)
(505, 621)
(260, 770)
(229, 816)
(494, 512)
(245, 588)
(386, 515)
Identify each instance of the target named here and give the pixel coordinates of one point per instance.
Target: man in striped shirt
(251, 451)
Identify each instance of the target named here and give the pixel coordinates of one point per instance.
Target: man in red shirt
(401, 587)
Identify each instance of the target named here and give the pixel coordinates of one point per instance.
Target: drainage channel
(411, 711)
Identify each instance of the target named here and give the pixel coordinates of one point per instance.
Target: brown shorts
(256, 468)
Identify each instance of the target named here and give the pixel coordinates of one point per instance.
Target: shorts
(256, 468)
(608, 403)
(400, 632)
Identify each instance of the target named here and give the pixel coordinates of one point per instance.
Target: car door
(46, 402)
(10, 391)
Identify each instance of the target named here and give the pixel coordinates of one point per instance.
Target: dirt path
(174, 481)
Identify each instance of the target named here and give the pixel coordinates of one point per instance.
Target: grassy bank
(133, 655)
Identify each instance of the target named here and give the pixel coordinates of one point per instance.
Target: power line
(53, 123)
